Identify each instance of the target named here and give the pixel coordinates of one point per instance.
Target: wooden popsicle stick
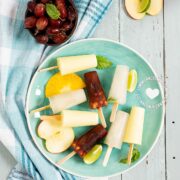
(114, 110)
(48, 69)
(107, 156)
(46, 118)
(131, 146)
(70, 155)
(101, 116)
(40, 109)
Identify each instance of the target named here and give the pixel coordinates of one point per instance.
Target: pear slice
(132, 7)
(155, 7)
(48, 127)
(144, 5)
(60, 141)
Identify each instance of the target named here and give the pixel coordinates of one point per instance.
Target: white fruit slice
(47, 128)
(61, 141)
(132, 7)
(155, 7)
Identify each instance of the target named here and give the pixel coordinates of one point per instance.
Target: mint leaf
(103, 62)
(111, 100)
(52, 11)
(135, 156)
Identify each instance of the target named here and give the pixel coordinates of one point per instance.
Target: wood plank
(172, 44)
(146, 36)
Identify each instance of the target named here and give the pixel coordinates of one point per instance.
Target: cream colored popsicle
(118, 90)
(73, 118)
(115, 134)
(64, 101)
(72, 64)
(134, 129)
(67, 100)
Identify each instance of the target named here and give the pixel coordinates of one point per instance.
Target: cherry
(39, 10)
(71, 13)
(44, 1)
(52, 31)
(61, 5)
(30, 22)
(41, 23)
(67, 26)
(42, 38)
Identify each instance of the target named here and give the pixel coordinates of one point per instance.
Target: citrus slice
(93, 155)
(59, 84)
(132, 80)
(144, 5)
(132, 7)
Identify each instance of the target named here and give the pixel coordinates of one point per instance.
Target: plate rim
(27, 107)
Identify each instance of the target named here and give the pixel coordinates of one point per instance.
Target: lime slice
(132, 80)
(144, 5)
(93, 155)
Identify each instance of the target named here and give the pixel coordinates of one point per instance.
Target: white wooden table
(157, 39)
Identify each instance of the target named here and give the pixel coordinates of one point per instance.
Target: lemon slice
(93, 155)
(59, 84)
(132, 80)
(144, 5)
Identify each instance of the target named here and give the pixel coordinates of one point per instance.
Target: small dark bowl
(69, 34)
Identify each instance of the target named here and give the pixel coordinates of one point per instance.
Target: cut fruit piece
(61, 141)
(155, 7)
(144, 5)
(132, 7)
(59, 84)
(93, 155)
(132, 80)
(47, 128)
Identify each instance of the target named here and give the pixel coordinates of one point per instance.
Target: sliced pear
(155, 7)
(47, 128)
(60, 141)
(132, 7)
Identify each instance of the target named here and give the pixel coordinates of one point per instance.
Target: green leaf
(103, 62)
(111, 100)
(52, 11)
(135, 156)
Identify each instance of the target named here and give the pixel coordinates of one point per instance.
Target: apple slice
(155, 7)
(48, 127)
(60, 141)
(132, 7)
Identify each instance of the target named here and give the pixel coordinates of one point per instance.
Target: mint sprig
(111, 100)
(103, 62)
(52, 11)
(135, 156)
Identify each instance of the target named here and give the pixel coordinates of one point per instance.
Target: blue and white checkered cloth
(20, 56)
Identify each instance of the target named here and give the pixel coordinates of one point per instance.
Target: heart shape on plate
(152, 93)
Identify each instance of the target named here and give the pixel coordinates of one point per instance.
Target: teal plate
(153, 103)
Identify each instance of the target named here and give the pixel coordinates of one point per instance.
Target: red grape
(67, 26)
(52, 31)
(59, 38)
(42, 39)
(44, 1)
(41, 23)
(39, 10)
(71, 13)
(30, 22)
(55, 23)
(61, 5)
(31, 5)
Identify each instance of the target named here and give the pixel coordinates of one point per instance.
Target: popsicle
(134, 129)
(72, 64)
(85, 143)
(63, 101)
(72, 118)
(96, 94)
(115, 134)
(118, 88)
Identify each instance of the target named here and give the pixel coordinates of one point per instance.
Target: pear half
(155, 7)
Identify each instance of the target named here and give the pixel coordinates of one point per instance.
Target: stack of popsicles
(124, 128)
